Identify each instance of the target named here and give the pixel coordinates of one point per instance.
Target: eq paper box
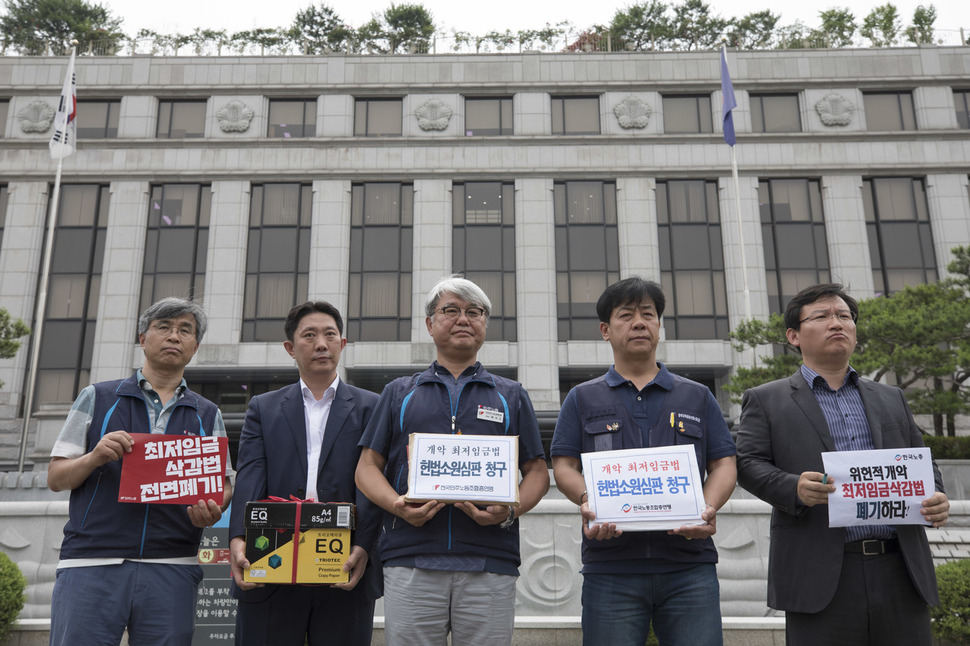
(298, 542)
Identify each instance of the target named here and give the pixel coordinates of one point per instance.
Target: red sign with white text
(174, 469)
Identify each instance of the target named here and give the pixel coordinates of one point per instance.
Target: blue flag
(727, 98)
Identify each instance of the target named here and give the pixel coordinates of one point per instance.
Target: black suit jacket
(783, 433)
(273, 462)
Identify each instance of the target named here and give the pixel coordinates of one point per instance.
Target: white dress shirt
(316, 413)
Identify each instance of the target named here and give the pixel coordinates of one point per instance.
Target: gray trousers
(422, 606)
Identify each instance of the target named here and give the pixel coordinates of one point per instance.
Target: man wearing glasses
(450, 568)
(855, 585)
(128, 565)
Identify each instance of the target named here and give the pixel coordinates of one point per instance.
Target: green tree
(781, 362)
(33, 26)
(319, 30)
(753, 31)
(921, 30)
(695, 27)
(405, 28)
(793, 36)
(882, 25)
(838, 27)
(643, 26)
(10, 334)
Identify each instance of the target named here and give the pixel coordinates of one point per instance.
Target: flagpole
(40, 308)
(729, 103)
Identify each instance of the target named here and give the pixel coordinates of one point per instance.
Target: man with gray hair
(130, 565)
(450, 568)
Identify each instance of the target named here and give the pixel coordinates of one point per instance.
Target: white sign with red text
(879, 487)
(645, 489)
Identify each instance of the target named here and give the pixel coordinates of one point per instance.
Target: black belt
(872, 547)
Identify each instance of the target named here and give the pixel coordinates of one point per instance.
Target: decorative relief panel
(36, 116)
(234, 116)
(835, 110)
(433, 115)
(632, 113)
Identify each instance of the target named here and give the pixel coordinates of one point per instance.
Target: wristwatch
(505, 524)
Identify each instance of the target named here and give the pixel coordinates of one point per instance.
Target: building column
(636, 223)
(432, 250)
(746, 298)
(121, 273)
(225, 276)
(845, 233)
(329, 278)
(20, 258)
(949, 216)
(536, 305)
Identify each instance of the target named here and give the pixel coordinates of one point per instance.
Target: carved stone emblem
(234, 117)
(433, 115)
(835, 110)
(632, 113)
(36, 116)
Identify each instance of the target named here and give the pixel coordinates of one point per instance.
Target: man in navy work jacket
(301, 441)
(128, 565)
(633, 578)
(450, 567)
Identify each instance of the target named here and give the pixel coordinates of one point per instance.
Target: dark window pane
(98, 119)
(687, 114)
(961, 98)
(889, 111)
(775, 113)
(181, 119)
(378, 117)
(292, 118)
(900, 243)
(488, 117)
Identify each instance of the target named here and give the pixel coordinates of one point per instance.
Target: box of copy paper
(298, 542)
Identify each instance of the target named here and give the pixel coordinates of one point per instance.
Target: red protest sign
(173, 469)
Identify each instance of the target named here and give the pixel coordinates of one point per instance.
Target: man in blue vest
(450, 568)
(129, 565)
(633, 578)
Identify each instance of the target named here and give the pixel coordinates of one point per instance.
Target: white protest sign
(645, 489)
(477, 468)
(879, 487)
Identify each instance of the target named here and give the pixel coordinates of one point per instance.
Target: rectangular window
(775, 113)
(381, 236)
(181, 119)
(292, 118)
(961, 98)
(483, 248)
(176, 242)
(575, 115)
(4, 106)
(685, 114)
(97, 119)
(64, 366)
(587, 254)
(889, 111)
(900, 239)
(793, 231)
(278, 258)
(378, 117)
(488, 117)
(692, 260)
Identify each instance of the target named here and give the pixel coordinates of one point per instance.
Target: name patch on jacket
(490, 414)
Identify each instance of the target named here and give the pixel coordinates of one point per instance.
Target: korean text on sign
(645, 489)
(880, 487)
(174, 469)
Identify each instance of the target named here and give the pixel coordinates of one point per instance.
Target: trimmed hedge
(948, 448)
(12, 597)
(951, 619)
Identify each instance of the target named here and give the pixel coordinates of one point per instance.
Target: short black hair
(809, 295)
(629, 291)
(299, 311)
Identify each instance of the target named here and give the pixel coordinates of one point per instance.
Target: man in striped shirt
(854, 585)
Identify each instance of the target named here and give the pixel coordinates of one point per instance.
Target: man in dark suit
(853, 585)
(301, 441)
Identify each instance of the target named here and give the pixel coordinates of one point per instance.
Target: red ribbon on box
(296, 526)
